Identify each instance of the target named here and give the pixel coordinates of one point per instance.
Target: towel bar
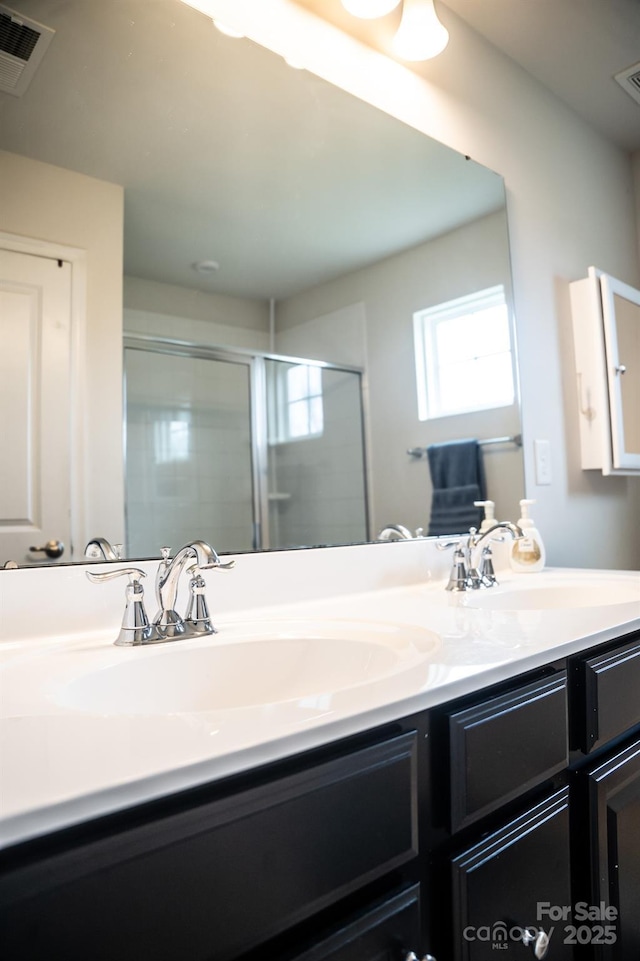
(516, 439)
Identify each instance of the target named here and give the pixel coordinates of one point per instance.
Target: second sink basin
(569, 594)
(249, 666)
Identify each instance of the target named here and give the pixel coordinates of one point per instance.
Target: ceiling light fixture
(420, 35)
(369, 9)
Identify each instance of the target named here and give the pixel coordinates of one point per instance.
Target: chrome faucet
(395, 532)
(99, 548)
(167, 623)
(473, 563)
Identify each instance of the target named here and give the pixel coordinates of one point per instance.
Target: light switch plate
(542, 450)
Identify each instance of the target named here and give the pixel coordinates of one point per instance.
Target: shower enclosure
(244, 449)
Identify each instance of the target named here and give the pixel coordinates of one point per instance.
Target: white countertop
(60, 764)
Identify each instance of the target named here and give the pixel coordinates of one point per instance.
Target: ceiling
(228, 154)
(573, 47)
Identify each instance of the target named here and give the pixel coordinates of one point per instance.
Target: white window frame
(425, 324)
(280, 403)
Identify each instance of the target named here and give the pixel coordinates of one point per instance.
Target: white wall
(48, 203)
(570, 203)
(635, 160)
(460, 262)
(183, 313)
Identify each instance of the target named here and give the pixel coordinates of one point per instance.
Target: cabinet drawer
(216, 880)
(387, 932)
(499, 882)
(606, 694)
(503, 746)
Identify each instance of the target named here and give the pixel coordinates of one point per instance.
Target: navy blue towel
(457, 476)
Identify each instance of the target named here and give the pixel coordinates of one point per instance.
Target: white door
(35, 315)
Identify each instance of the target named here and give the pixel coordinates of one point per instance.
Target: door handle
(52, 549)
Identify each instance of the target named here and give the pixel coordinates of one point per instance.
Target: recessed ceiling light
(206, 266)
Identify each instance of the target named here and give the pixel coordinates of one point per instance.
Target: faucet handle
(197, 616)
(135, 627)
(458, 578)
(486, 573)
(447, 545)
(215, 563)
(134, 573)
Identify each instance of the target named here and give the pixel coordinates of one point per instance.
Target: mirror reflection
(293, 258)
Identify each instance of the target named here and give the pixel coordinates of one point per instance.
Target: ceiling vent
(629, 80)
(23, 43)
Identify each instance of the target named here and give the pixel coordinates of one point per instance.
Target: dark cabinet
(509, 845)
(504, 745)
(499, 883)
(217, 879)
(611, 793)
(388, 932)
(605, 695)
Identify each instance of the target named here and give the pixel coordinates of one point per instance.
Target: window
(463, 355)
(171, 437)
(295, 403)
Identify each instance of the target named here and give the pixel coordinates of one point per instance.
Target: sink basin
(249, 666)
(566, 595)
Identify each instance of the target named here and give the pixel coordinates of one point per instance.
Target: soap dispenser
(489, 514)
(527, 552)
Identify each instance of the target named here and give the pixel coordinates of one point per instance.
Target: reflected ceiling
(228, 134)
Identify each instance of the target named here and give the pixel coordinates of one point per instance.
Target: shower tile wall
(188, 453)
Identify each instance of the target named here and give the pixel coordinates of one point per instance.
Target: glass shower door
(189, 471)
(315, 455)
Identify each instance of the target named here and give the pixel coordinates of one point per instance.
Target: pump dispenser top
(489, 514)
(527, 552)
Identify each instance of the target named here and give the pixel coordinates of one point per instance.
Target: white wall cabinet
(606, 334)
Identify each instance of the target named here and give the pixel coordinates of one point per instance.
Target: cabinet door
(387, 932)
(500, 883)
(621, 317)
(505, 745)
(221, 877)
(614, 800)
(605, 695)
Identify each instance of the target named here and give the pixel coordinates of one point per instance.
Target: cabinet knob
(539, 941)
(541, 945)
(621, 369)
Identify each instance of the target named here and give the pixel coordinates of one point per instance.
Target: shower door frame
(255, 361)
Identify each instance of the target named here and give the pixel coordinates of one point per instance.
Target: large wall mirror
(283, 242)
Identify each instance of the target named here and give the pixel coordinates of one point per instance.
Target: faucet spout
(167, 621)
(476, 541)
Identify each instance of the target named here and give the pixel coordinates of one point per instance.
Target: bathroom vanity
(480, 782)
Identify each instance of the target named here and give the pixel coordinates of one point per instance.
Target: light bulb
(420, 35)
(227, 31)
(370, 9)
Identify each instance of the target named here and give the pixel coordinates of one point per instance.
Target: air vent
(629, 80)
(23, 43)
